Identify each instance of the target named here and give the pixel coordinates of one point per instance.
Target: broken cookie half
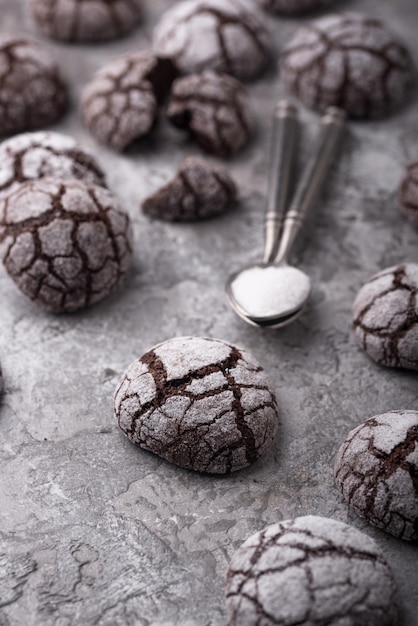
(199, 190)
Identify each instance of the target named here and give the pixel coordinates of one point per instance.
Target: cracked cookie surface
(292, 7)
(32, 91)
(235, 35)
(45, 154)
(199, 403)
(215, 109)
(312, 571)
(65, 244)
(351, 61)
(120, 104)
(199, 190)
(385, 316)
(376, 470)
(408, 194)
(86, 20)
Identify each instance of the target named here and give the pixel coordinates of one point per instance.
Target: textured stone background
(95, 531)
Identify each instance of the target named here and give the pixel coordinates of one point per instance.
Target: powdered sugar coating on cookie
(199, 190)
(293, 7)
(215, 109)
(86, 20)
(351, 61)
(200, 403)
(408, 194)
(376, 470)
(65, 244)
(120, 104)
(228, 36)
(310, 570)
(45, 154)
(32, 91)
(385, 316)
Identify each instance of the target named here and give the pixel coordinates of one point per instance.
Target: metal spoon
(273, 293)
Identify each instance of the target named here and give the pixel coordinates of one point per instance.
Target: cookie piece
(408, 194)
(45, 154)
(120, 104)
(66, 244)
(200, 403)
(32, 91)
(310, 570)
(376, 470)
(385, 316)
(223, 35)
(293, 7)
(351, 61)
(199, 190)
(215, 109)
(86, 20)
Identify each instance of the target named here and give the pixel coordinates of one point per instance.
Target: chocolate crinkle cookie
(293, 7)
(65, 244)
(223, 35)
(32, 91)
(86, 20)
(351, 61)
(215, 109)
(199, 403)
(376, 470)
(310, 571)
(45, 154)
(120, 104)
(408, 194)
(385, 316)
(199, 190)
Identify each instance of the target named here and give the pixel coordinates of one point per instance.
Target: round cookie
(199, 403)
(408, 194)
(385, 316)
(45, 154)
(376, 470)
(293, 7)
(310, 571)
(199, 190)
(65, 244)
(32, 91)
(223, 35)
(215, 109)
(351, 61)
(86, 20)
(120, 104)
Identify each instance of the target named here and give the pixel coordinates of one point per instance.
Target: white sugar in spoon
(273, 293)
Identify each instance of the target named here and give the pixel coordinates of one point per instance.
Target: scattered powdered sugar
(270, 291)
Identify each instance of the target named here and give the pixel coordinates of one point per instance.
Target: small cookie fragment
(65, 244)
(199, 190)
(120, 104)
(310, 570)
(385, 316)
(215, 109)
(32, 91)
(293, 7)
(228, 36)
(45, 154)
(350, 61)
(86, 20)
(199, 403)
(408, 194)
(376, 470)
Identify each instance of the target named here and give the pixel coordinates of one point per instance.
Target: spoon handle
(281, 166)
(332, 125)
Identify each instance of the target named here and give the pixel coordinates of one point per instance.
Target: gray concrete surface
(94, 531)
